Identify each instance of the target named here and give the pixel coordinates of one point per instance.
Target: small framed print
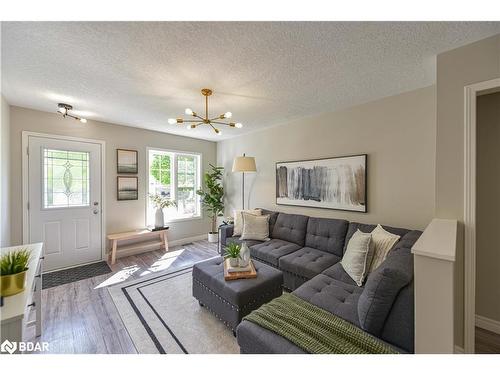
(126, 187)
(126, 161)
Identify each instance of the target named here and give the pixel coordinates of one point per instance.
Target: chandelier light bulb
(83, 120)
(172, 121)
(189, 111)
(62, 110)
(239, 125)
(228, 115)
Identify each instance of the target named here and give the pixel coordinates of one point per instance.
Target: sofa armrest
(226, 231)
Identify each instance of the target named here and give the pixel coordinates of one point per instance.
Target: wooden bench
(144, 234)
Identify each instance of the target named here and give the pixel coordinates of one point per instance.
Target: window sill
(181, 219)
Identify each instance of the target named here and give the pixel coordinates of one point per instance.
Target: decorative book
(239, 275)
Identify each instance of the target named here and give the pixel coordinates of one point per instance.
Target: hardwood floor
(487, 342)
(81, 317)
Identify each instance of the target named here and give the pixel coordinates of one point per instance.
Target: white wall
(120, 215)
(398, 133)
(5, 175)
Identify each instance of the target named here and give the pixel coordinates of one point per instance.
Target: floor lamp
(244, 164)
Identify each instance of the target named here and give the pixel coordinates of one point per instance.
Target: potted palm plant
(212, 198)
(13, 267)
(160, 202)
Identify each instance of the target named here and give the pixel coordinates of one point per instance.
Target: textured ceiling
(265, 73)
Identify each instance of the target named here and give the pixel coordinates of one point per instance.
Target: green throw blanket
(314, 329)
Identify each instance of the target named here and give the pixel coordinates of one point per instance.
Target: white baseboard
(187, 240)
(488, 324)
(459, 350)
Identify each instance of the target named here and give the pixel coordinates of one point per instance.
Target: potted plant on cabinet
(233, 254)
(13, 267)
(212, 198)
(160, 202)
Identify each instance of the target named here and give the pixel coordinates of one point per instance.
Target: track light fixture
(64, 109)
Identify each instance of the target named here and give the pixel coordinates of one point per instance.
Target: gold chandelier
(199, 120)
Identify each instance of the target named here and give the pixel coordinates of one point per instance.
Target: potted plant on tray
(233, 254)
(160, 202)
(13, 267)
(212, 198)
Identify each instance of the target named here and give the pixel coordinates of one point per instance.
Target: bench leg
(164, 238)
(113, 251)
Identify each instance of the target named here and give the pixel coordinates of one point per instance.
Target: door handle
(96, 212)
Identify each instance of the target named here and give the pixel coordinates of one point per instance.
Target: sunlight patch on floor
(119, 277)
(164, 262)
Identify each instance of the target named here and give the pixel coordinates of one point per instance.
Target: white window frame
(175, 153)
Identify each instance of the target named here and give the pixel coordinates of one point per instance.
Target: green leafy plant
(212, 197)
(232, 251)
(14, 262)
(160, 201)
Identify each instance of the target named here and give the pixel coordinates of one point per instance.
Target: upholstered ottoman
(231, 300)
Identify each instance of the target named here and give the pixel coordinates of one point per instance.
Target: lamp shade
(244, 164)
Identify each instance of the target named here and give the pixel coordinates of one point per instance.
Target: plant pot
(213, 237)
(12, 284)
(159, 220)
(233, 262)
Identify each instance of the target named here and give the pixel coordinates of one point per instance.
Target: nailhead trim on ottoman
(216, 299)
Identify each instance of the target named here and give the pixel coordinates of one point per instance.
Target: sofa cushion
(368, 228)
(307, 262)
(239, 241)
(326, 234)
(273, 215)
(271, 251)
(358, 256)
(290, 228)
(338, 273)
(381, 290)
(407, 241)
(331, 295)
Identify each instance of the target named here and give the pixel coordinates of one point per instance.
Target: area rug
(70, 275)
(162, 316)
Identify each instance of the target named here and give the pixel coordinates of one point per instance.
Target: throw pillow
(255, 227)
(238, 220)
(383, 241)
(358, 256)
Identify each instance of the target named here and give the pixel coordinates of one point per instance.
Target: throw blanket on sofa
(313, 329)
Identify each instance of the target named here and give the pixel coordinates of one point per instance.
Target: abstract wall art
(337, 183)
(126, 161)
(126, 188)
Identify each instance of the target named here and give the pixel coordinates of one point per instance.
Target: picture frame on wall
(127, 188)
(126, 161)
(337, 183)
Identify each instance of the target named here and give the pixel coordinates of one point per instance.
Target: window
(175, 175)
(65, 179)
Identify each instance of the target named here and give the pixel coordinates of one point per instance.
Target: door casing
(25, 181)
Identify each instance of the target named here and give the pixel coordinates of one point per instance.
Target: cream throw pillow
(383, 242)
(358, 255)
(255, 227)
(238, 220)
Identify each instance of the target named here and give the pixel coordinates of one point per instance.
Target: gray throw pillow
(358, 255)
(381, 289)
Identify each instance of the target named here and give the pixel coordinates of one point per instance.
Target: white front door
(64, 200)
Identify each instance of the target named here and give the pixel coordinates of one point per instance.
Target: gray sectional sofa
(308, 251)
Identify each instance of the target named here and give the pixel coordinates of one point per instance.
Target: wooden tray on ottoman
(252, 274)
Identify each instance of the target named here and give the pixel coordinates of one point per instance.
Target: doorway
(481, 214)
(63, 198)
